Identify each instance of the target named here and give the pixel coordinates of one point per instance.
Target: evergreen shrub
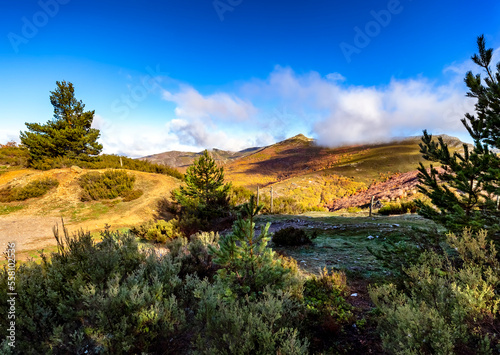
(108, 185)
(159, 231)
(449, 303)
(292, 236)
(35, 188)
(398, 208)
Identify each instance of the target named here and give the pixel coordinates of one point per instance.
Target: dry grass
(64, 202)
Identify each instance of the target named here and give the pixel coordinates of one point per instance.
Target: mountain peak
(299, 137)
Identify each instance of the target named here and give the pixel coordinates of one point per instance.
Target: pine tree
(205, 194)
(464, 191)
(249, 265)
(68, 134)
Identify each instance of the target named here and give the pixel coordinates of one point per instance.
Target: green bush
(398, 208)
(132, 195)
(193, 255)
(449, 302)
(397, 255)
(108, 185)
(13, 155)
(114, 297)
(35, 188)
(159, 231)
(239, 195)
(245, 326)
(324, 297)
(106, 297)
(291, 236)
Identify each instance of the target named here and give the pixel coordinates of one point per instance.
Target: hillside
(323, 177)
(182, 160)
(316, 177)
(30, 222)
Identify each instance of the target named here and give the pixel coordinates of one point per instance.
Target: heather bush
(282, 205)
(398, 208)
(35, 188)
(132, 195)
(324, 297)
(398, 255)
(193, 255)
(108, 185)
(12, 154)
(106, 297)
(239, 195)
(159, 231)
(450, 301)
(292, 236)
(244, 325)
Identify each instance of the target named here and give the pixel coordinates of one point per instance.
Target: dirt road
(28, 232)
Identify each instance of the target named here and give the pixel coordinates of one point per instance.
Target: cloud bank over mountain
(259, 112)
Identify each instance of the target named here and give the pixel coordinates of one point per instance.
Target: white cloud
(9, 135)
(342, 114)
(191, 104)
(263, 111)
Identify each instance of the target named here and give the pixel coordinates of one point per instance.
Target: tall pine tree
(68, 134)
(464, 191)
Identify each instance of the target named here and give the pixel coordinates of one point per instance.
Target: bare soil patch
(28, 232)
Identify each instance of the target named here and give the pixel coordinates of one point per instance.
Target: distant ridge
(182, 160)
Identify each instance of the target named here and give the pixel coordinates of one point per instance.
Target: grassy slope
(316, 175)
(64, 202)
(343, 240)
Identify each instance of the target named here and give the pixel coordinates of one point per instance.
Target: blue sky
(230, 74)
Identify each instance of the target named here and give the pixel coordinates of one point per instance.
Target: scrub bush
(158, 232)
(108, 185)
(449, 302)
(292, 236)
(32, 189)
(398, 208)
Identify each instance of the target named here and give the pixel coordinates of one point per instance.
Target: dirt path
(31, 227)
(28, 232)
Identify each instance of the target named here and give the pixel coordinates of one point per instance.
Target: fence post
(272, 197)
(121, 162)
(258, 195)
(371, 206)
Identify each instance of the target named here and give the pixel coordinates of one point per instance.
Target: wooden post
(371, 206)
(121, 162)
(272, 197)
(258, 195)
(498, 201)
